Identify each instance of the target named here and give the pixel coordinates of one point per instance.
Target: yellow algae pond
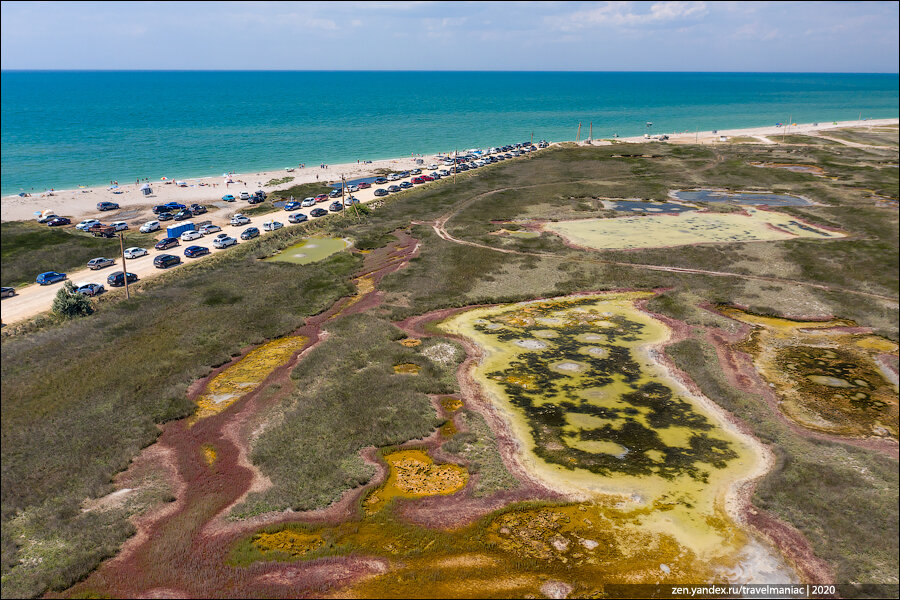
(598, 417)
(413, 474)
(242, 377)
(310, 250)
(658, 231)
(826, 378)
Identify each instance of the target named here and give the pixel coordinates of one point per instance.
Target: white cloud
(624, 14)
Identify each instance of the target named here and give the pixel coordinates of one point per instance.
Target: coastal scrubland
(30, 248)
(91, 393)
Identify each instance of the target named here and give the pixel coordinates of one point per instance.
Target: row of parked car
(224, 240)
(256, 197)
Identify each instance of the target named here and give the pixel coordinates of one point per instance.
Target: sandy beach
(763, 133)
(81, 203)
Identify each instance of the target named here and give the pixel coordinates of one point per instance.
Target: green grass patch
(30, 248)
(348, 398)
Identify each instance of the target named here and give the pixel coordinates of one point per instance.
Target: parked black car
(381, 192)
(318, 212)
(117, 279)
(335, 193)
(164, 261)
(58, 221)
(183, 215)
(198, 209)
(165, 216)
(336, 206)
(166, 243)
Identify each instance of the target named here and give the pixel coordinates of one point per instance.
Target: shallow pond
(245, 375)
(647, 207)
(310, 250)
(660, 231)
(595, 412)
(750, 198)
(826, 378)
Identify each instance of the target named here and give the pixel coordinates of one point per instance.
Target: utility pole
(455, 154)
(124, 270)
(532, 138)
(591, 133)
(578, 135)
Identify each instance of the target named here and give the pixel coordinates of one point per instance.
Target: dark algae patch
(586, 399)
(828, 374)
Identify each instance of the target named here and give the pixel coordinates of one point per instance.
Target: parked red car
(321, 198)
(417, 180)
(363, 185)
(426, 178)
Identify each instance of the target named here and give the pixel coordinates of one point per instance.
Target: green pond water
(310, 250)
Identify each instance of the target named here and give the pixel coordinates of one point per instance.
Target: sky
(466, 36)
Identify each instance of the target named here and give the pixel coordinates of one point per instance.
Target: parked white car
(272, 225)
(150, 226)
(135, 252)
(245, 195)
(119, 225)
(207, 229)
(394, 177)
(239, 219)
(352, 188)
(86, 224)
(190, 236)
(432, 167)
(224, 242)
(307, 202)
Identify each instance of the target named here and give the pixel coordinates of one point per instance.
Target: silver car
(91, 289)
(100, 263)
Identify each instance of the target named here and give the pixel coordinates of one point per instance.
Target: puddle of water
(228, 386)
(310, 250)
(751, 198)
(827, 379)
(648, 207)
(660, 231)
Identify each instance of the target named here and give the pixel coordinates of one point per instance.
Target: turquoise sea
(61, 129)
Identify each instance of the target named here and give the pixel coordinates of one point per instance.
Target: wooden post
(124, 269)
(578, 135)
(591, 133)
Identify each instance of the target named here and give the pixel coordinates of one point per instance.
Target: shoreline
(80, 203)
